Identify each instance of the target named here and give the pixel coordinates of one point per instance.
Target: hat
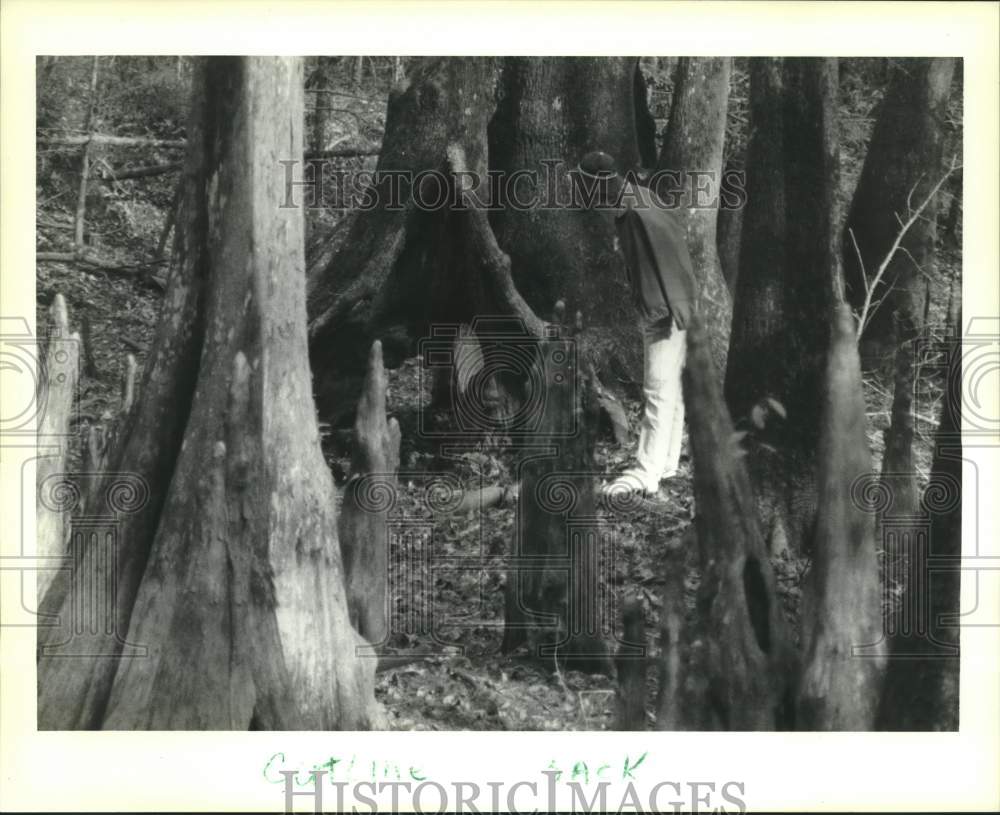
(598, 164)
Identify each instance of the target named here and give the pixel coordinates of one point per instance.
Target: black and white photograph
(499, 392)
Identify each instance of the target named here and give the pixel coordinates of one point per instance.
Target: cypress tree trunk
(692, 147)
(746, 657)
(236, 567)
(551, 112)
(921, 689)
(786, 288)
(398, 268)
(902, 165)
(728, 233)
(402, 269)
(844, 658)
(421, 252)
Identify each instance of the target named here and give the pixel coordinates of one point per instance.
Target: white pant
(663, 416)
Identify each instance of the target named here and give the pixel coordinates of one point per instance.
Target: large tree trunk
(745, 653)
(402, 269)
(844, 659)
(403, 263)
(551, 112)
(692, 147)
(786, 287)
(236, 567)
(902, 165)
(73, 693)
(921, 689)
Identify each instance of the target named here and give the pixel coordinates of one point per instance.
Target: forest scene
(339, 416)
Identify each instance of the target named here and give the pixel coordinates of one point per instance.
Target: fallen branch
(344, 93)
(345, 151)
(489, 497)
(146, 172)
(120, 270)
(498, 497)
(115, 141)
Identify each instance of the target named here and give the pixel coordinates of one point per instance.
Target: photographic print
(397, 393)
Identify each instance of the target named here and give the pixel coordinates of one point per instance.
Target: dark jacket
(653, 241)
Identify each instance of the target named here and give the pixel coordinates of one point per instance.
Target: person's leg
(676, 432)
(660, 431)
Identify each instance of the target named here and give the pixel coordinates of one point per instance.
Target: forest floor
(464, 682)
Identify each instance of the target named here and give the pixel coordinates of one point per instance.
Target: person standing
(653, 242)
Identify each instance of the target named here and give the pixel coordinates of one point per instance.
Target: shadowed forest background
(813, 463)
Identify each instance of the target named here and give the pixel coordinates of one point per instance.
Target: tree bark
(747, 660)
(234, 564)
(102, 440)
(899, 475)
(844, 659)
(645, 124)
(729, 228)
(675, 694)
(402, 269)
(363, 512)
(551, 112)
(692, 148)
(398, 269)
(556, 602)
(786, 288)
(631, 671)
(921, 690)
(902, 165)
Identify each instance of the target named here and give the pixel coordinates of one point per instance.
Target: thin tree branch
(866, 310)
